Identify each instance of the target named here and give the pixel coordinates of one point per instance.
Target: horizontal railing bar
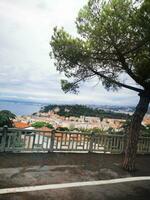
(143, 137)
(24, 140)
(28, 130)
(69, 132)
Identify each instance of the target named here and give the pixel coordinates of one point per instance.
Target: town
(83, 123)
(75, 100)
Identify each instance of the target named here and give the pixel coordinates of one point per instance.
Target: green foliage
(113, 131)
(145, 130)
(81, 110)
(113, 39)
(125, 125)
(38, 124)
(41, 124)
(83, 130)
(6, 118)
(49, 126)
(66, 86)
(62, 129)
(97, 130)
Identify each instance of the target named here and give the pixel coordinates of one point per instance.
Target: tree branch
(79, 80)
(116, 82)
(136, 47)
(125, 65)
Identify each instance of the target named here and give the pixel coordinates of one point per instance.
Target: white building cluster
(73, 122)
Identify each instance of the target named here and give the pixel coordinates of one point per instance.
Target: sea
(20, 108)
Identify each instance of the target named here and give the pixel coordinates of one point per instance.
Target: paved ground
(39, 169)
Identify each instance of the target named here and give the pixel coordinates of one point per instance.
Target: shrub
(49, 125)
(38, 124)
(62, 129)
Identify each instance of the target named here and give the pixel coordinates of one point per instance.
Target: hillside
(82, 110)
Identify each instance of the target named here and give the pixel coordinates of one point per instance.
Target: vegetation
(49, 126)
(6, 118)
(93, 130)
(81, 110)
(62, 129)
(82, 130)
(41, 124)
(145, 130)
(113, 41)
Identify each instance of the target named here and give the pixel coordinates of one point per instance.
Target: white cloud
(26, 71)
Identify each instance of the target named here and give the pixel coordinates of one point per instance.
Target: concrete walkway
(71, 185)
(88, 176)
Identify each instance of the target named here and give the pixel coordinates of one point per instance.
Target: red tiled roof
(21, 124)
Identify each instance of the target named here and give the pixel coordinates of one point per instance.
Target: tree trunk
(134, 130)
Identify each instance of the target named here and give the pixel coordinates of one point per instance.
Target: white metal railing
(23, 140)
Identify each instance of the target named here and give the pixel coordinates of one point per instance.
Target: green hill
(82, 110)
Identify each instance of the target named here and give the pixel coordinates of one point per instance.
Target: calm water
(20, 108)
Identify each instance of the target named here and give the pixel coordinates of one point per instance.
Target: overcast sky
(26, 71)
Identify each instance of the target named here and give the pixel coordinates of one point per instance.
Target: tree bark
(134, 130)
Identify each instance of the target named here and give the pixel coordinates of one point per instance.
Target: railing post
(91, 142)
(125, 138)
(4, 137)
(34, 136)
(52, 141)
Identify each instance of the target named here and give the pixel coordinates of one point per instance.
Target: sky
(26, 71)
